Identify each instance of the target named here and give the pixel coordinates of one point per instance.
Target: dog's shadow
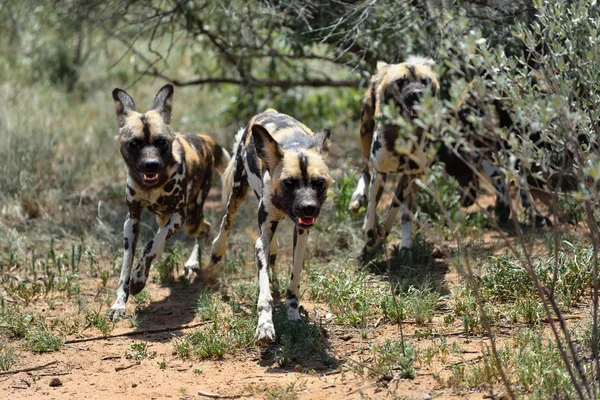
(301, 346)
(413, 268)
(174, 313)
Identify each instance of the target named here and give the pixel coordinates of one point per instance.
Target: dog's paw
(366, 255)
(116, 312)
(542, 221)
(265, 333)
(292, 312)
(355, 205)
(214, 260)
(190, 268)
(404, 256)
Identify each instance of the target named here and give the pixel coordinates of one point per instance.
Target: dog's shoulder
(286, 130)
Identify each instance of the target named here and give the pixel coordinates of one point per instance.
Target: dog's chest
(169, 199)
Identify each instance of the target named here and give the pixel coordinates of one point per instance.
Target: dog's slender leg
(274, 248)
(292, 293)
(236, 198)
(375, 192)
(499, 183)
(377, 186)
(367, 126)
(529, 204)
(153, 251)
(360, 194)
(409, 201)
(193, 262)
(131, 230)
(265, 331)
(397, 203)
(196, 225)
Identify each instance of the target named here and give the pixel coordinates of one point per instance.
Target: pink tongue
(150, 177)
(306, 220)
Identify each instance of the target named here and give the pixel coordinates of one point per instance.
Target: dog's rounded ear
(267, 148)
(322, 140)
(162, 102)
(123, 105)
(381, 65)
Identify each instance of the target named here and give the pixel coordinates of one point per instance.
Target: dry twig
(117, 369)
(220, 396)
(137, 333)
(16, 371)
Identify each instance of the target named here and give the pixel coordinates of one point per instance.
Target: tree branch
(258, 83)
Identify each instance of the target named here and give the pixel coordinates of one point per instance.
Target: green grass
(7, 357)
(532, 362)
(99, 320)
(170, 263)
(41, 339)
(350, 297)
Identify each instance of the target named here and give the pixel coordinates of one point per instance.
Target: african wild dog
(402, 84)
(170, 174)
(484, 149)
(283, 162)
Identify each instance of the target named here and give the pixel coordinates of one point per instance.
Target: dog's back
(200, 150)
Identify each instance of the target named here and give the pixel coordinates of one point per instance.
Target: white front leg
(131, 230)
(292, 293)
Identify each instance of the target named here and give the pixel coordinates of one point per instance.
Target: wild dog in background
(401, 84)
(283, 162)
(168, 173)
(487, 144)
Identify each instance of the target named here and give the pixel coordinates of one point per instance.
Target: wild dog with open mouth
(168, 173)
(282, 160)
(401, 84)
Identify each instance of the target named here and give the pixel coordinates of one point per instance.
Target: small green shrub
(41, 340)
(391, 356)
(139, 351)
(7, 357)
(170, 263)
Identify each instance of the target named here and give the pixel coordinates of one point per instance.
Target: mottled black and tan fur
(402, 85)
(283, 162)
(170, 174)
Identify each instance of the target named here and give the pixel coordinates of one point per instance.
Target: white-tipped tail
(227, 175)
(224, 161)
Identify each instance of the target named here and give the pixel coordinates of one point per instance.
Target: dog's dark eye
(133, 144)
(160, 143)
(289, 182)
(319, 182)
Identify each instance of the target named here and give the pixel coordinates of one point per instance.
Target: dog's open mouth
(150, 178)
(411, 112)
(305, 222)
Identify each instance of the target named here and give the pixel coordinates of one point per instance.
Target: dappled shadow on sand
(175, 310)
(407, 268)
(301, 346)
